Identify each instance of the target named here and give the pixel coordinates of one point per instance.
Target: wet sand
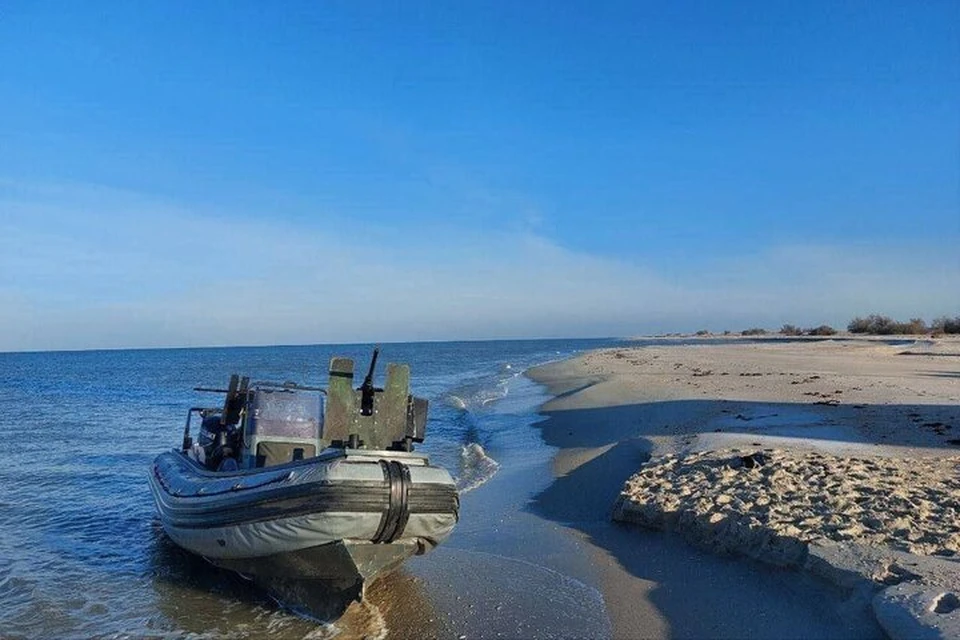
(617, 410)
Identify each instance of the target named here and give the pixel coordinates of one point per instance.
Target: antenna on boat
(366, 389)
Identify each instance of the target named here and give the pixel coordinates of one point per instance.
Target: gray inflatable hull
(342, 518)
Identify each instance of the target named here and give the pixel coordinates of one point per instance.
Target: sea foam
(476, 467)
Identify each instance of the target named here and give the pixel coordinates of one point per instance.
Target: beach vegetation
(822, 330)
(946, 325)
(874, 324)
(879, 325)
(916, 326)
(703, 332)
(871, 324)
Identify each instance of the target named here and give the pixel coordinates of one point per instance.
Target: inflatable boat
(296, 482)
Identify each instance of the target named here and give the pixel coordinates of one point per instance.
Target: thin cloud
(84, 267)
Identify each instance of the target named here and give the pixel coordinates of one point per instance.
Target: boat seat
(273, 453)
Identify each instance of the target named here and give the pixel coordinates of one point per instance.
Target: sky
(227, 173)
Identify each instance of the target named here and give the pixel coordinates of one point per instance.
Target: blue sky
(180, 173)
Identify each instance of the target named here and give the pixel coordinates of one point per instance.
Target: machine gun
(367, 392)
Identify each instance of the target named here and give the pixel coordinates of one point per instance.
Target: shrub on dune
(822, 330)
(946, 325)
(790, 330)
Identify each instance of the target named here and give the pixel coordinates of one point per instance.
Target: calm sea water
(81, 551)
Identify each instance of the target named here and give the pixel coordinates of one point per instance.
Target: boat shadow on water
(195, 597)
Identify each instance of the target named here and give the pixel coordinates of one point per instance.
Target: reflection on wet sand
(485, 595)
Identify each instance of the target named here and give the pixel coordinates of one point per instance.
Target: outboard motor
(212, 438)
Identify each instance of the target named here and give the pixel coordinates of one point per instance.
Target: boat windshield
(286, 413)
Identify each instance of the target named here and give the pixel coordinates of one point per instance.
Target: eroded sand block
(769, 504)
(885, 528)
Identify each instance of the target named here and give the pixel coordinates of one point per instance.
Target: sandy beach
(830, 464)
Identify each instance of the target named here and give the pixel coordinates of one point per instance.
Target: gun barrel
(368, 381)
(366, 389)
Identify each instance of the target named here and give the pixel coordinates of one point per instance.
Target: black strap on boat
(405, 505)
(394, 519)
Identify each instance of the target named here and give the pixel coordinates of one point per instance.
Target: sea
(82, 553)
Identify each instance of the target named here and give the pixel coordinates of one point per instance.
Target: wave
(476, 397)
(455, 401)
(479, 393)
(476, 467)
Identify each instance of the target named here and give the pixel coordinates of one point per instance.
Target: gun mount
(369, 417)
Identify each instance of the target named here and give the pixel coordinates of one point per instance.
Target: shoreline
(614, 410)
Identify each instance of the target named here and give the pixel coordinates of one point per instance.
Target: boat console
(265, 424)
